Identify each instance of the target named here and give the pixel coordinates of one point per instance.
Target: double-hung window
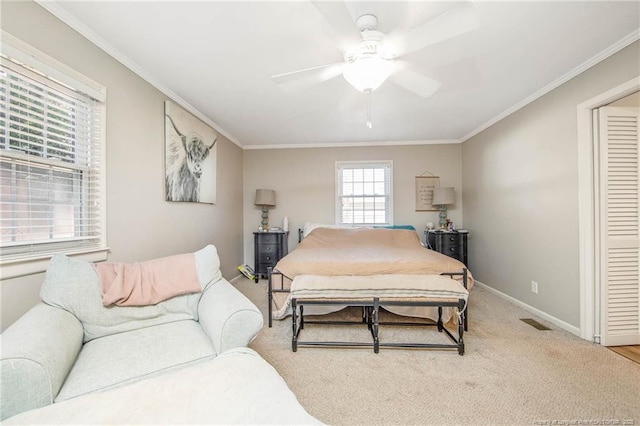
(363, 193)
(51, 159)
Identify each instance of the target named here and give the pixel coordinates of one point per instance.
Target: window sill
(15, 268)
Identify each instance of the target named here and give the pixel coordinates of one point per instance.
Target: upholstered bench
(370, 292)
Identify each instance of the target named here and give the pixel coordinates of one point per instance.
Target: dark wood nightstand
(269, 247)
(451, 243)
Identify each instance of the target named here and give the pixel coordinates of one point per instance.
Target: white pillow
(310, 226)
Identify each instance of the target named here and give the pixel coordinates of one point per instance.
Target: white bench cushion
(381, 286)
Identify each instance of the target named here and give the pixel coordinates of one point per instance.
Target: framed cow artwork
(190, 157)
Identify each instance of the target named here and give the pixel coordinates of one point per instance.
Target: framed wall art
(424, 193)
(190, 157)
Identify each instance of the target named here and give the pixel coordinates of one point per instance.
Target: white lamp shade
(265, 197)
(366, 74)
(443, 196)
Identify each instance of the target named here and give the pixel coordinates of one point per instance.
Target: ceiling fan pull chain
(369, 123)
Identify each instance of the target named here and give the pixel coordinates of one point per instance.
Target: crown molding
(82, 29)
(352, 144)
(611, 50)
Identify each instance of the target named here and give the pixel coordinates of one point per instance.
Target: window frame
(366, 164)
(21, 264)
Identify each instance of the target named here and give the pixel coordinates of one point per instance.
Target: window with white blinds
(363, 193)
(51, 189)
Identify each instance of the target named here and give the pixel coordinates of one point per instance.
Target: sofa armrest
(227, 317)
(37, 353)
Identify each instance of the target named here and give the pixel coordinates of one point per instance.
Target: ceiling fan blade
(453, 22)
(337, 16)
(301, 78)
(419, 84)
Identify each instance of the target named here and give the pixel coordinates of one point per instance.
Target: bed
(340, 251)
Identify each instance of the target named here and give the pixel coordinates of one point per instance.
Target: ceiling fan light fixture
(367, 73)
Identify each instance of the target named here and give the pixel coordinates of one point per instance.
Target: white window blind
(51, 196)
(363, 193)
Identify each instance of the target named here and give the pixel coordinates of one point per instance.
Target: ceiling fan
(370, 57)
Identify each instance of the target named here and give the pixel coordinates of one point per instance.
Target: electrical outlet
(534, 287)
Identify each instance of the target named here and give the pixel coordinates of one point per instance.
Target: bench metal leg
(294, 321)
(466, 309)
(465, 316)
(461, 326)
(376, 324)
(269, 290)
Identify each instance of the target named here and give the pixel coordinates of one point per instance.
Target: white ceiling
(218, 56)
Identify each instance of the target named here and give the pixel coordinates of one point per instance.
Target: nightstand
(451, 243)
(268, 248)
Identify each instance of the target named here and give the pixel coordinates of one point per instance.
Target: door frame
(587, 216)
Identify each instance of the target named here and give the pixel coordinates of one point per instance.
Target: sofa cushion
(73, 285)
(237, 388)
(126, 357)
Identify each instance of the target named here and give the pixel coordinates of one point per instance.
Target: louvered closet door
(619, 226)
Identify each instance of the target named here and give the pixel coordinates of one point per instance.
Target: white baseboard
(236, 278)
(553, 320)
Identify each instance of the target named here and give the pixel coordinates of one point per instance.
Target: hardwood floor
(631, 352)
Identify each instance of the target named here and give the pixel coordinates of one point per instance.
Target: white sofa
(72, 348)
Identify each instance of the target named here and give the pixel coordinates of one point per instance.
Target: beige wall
(520, 180)
(304, 181)
(633, 100)
(140, 224)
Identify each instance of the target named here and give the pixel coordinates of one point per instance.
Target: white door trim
(587, 205)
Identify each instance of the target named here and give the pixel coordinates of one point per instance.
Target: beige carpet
(511, 373)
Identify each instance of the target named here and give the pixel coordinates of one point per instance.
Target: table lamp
(265, 198)
(442, 197)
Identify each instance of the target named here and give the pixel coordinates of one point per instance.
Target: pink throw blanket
(147, 283)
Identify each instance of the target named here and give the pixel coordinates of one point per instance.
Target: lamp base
(264, 225)
(443, 217)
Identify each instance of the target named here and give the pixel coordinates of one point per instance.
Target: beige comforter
(362, 251)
